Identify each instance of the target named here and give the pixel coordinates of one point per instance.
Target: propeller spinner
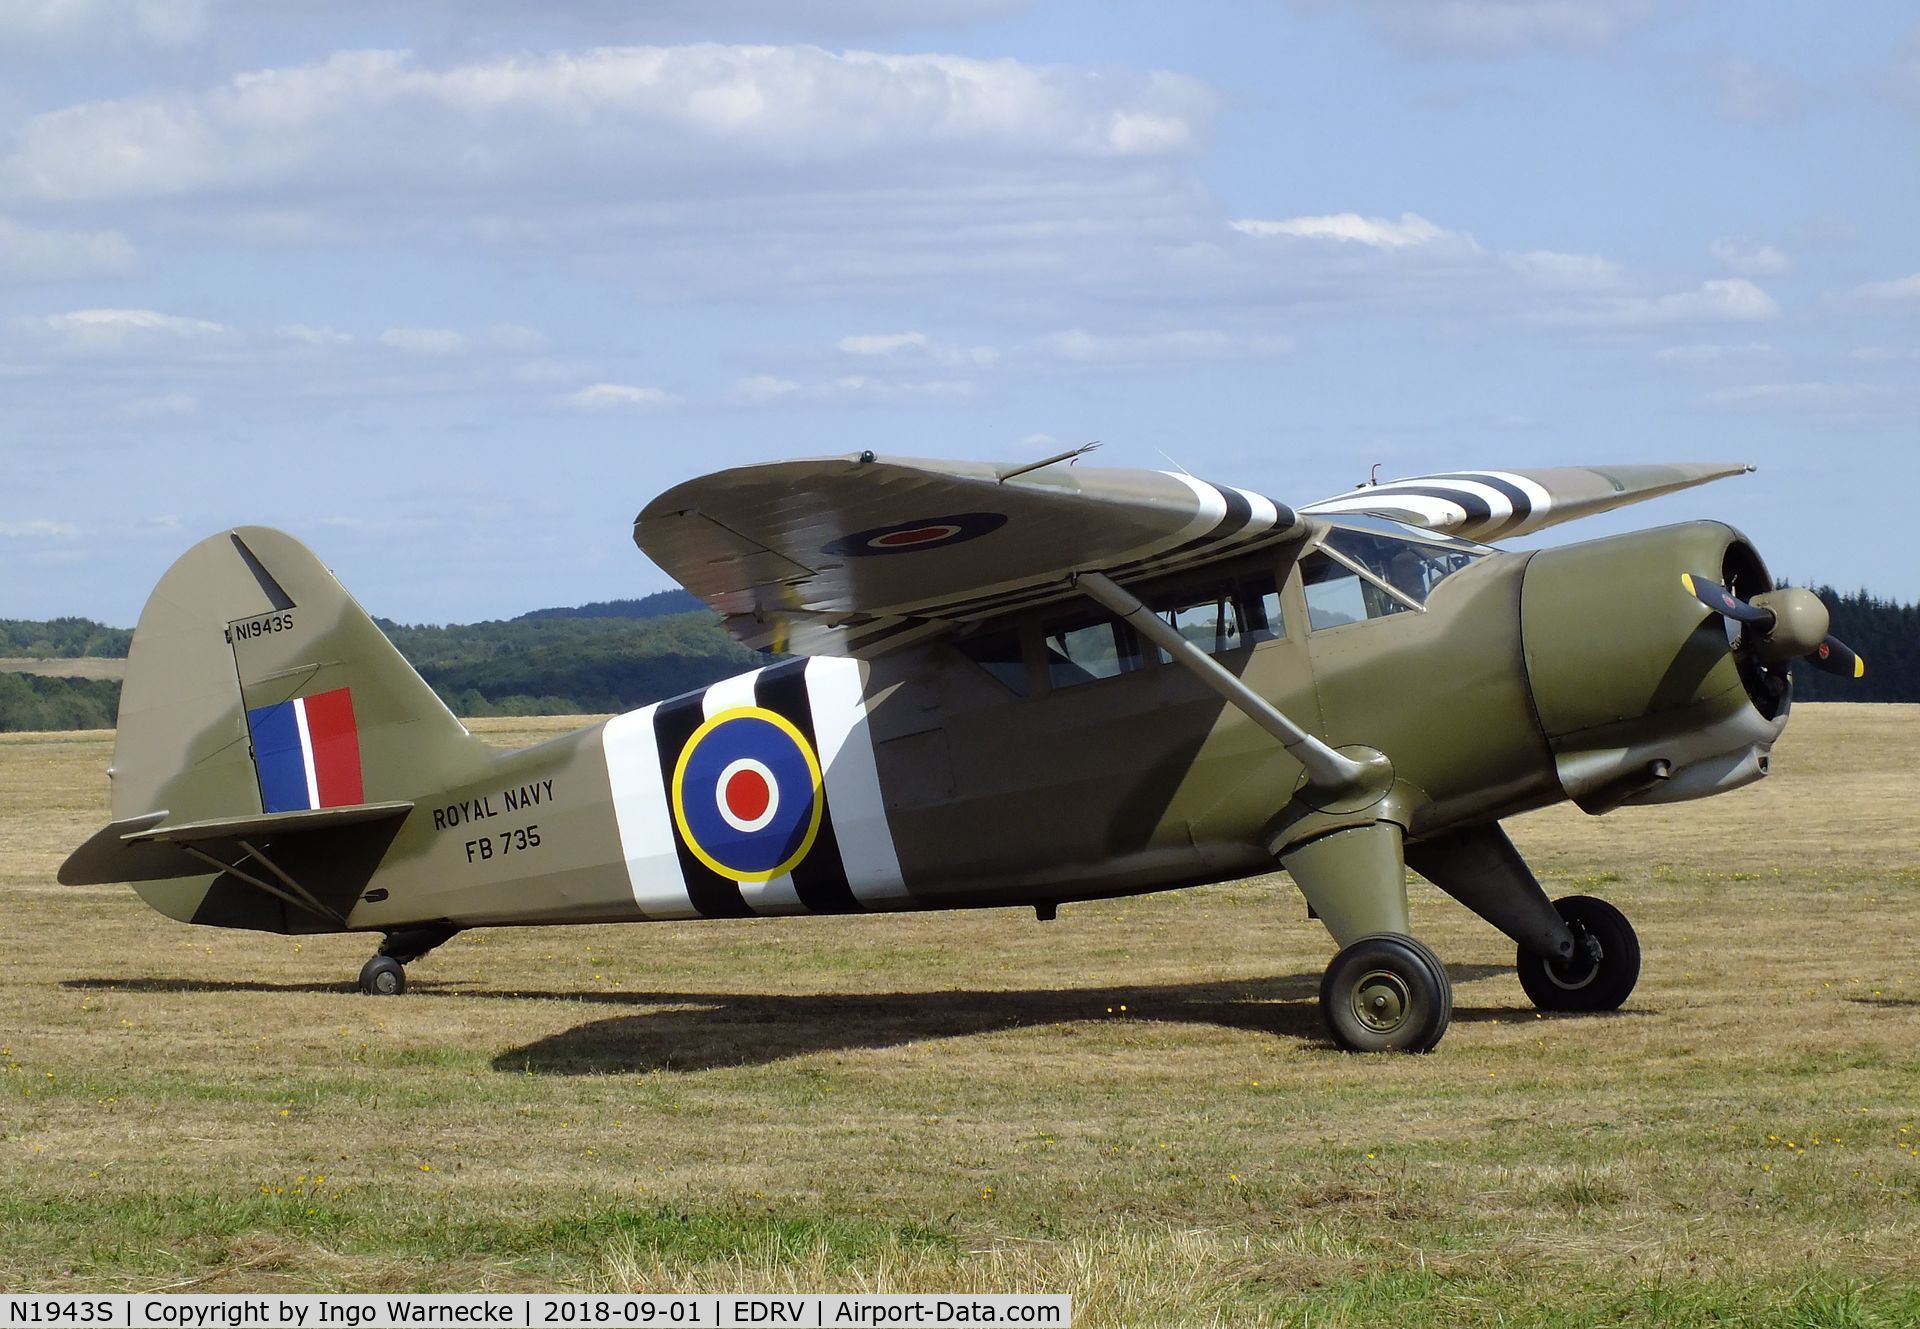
(1782, 625)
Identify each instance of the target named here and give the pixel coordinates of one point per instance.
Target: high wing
(862, 555)
(1494, 505)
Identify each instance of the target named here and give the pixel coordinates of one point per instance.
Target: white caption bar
(528, 1310)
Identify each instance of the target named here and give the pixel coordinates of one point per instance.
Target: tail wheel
(383, 976)
(1386, 993)
(1601, 972)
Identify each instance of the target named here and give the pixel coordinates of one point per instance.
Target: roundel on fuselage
(747, 794)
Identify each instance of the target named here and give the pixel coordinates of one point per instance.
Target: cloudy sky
(450, 288)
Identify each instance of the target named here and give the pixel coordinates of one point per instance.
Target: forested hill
(598, 658)
(657, 605)
(1887, 636)
(620, 654)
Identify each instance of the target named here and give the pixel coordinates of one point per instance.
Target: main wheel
(1602, 970)
(1386, 993)
(383, 976)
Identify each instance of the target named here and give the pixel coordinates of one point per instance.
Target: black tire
(1605, 965)
(1386, 993)
(383, 976)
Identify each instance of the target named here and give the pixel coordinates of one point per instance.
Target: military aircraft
(1012, 686)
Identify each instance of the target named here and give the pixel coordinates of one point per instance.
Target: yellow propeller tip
(1859, 667)
(1686, 580)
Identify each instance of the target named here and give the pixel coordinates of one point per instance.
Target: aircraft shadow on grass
(695, 1031)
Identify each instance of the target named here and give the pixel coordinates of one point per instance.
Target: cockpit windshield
(1409, 560)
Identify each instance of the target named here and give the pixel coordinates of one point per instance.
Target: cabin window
(1000, 654)
(1083, 649)
(1410, 567)
(1338, 595)
(1225, 617)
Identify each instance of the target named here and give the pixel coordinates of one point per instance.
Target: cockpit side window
(1338, 595)
(1411, 567)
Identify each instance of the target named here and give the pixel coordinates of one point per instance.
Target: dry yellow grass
(76, 667)
(1132, 1103)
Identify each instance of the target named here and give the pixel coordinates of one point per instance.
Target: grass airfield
(1133, 1103)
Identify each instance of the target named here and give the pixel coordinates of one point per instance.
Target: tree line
(619, 655)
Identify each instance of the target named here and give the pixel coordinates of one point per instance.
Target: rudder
(256, 683)
(257, 688)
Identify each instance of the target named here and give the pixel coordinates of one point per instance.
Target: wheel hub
(1381, 1000)
(1580, 968)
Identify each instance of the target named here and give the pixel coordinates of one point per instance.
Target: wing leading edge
(862, 555)
(1495, 505)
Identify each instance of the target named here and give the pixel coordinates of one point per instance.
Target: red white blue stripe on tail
(307, 752)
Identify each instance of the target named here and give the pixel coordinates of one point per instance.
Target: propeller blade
(1836, 657)
(1722, 601)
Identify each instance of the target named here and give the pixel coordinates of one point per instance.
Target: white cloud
(1727, 299)
(882, 343)
(545, 370)
(1903, 72)
(160, 406)
(916, 345)
(514, 337)
(1701, 353)
(26, 25)
(1755, 94)
(1081, 346)
(38, 528)
(1900, 289)
(1885, 355)
(113, 329)
(1749, 257)
(382, 121)
(1576, 272)
(764, 387)
(424, 341)
(1350, 227)
(300, 332)
(606, 396)
(1809, 394)
(1491, 28)
(30, 254)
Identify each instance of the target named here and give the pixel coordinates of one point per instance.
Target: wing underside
(862, 555)
(1496, 505)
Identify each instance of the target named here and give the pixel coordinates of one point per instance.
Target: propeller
(1782, 625)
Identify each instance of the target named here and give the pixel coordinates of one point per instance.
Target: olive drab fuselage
(963, 774)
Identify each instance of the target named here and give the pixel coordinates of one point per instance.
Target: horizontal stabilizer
(148, 848)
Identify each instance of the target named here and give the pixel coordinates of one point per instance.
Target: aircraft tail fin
(257, 686)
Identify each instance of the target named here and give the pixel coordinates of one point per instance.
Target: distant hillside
(62, 638)
(621, 654)
(553, 662)
(657, 605)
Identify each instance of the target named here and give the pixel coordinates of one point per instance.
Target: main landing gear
(1386, 992)
(385, 975)
(1602, 970)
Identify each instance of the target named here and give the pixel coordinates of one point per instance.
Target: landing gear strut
(1602, 970)
(385, 974)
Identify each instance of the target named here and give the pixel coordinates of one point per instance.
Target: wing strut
(1326, 769)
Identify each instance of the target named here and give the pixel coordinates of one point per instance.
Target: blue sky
(450, 289)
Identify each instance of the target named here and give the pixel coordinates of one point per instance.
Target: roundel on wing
(922, 533)
(746, 794)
